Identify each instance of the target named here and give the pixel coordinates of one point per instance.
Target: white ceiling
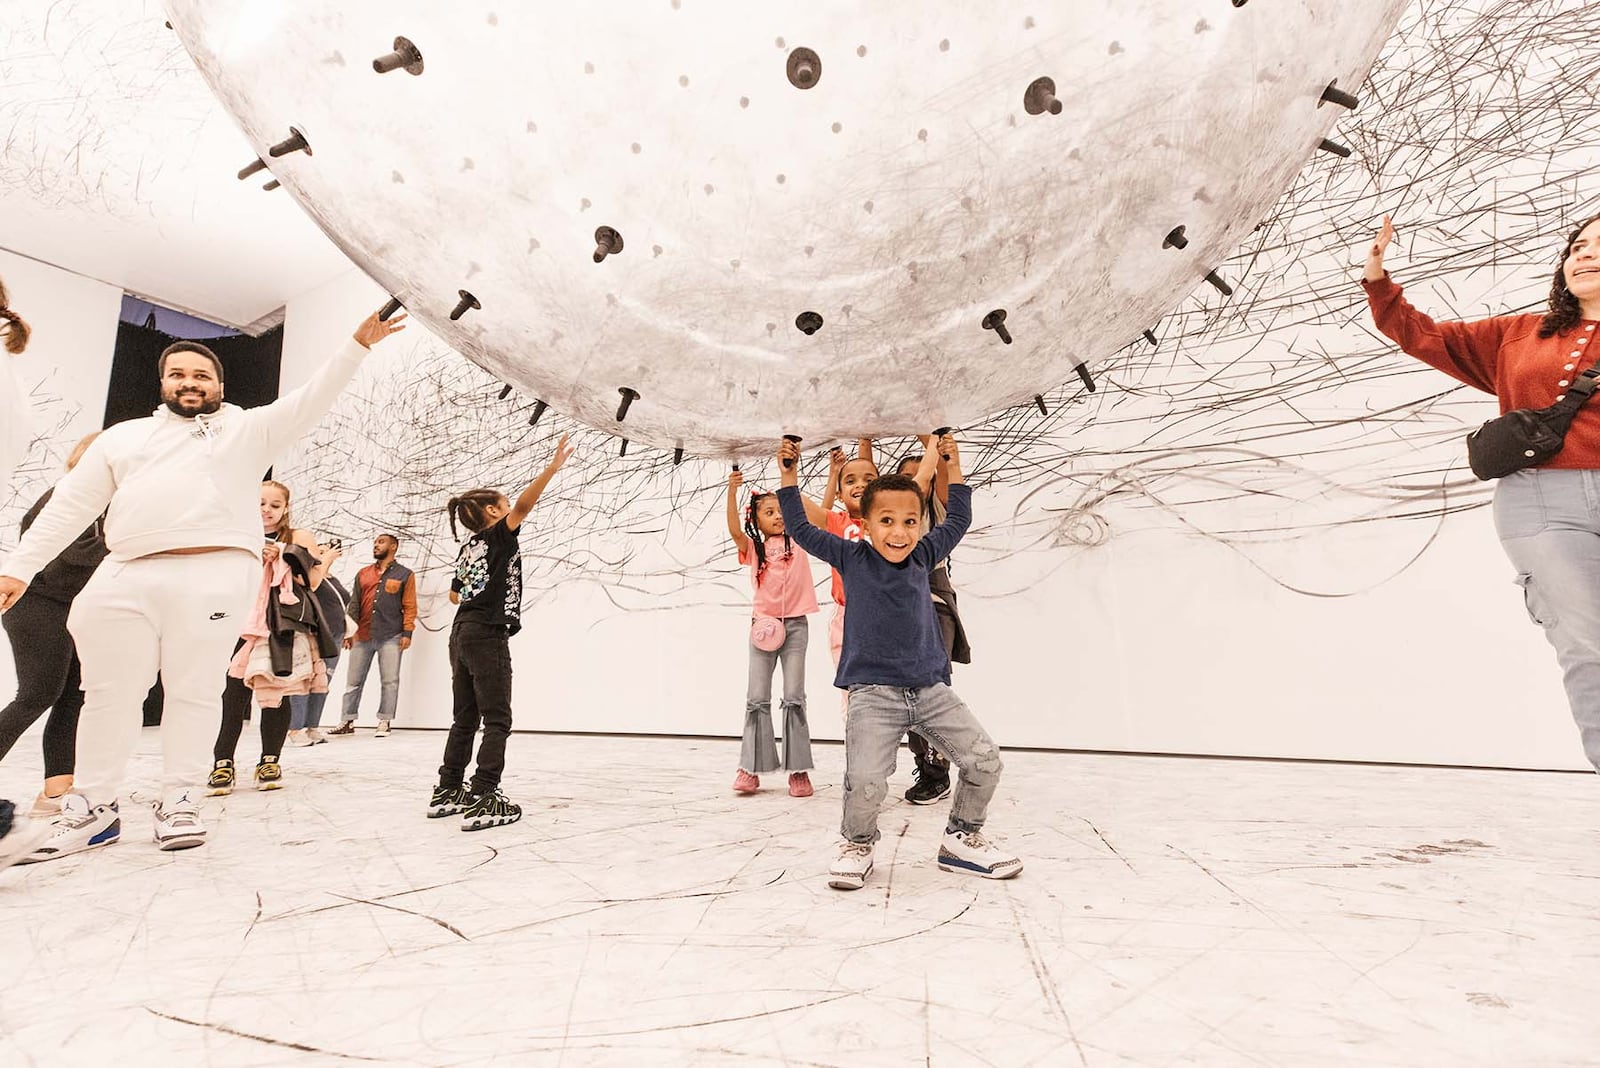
(118, 164)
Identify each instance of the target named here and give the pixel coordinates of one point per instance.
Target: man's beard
(209, 407)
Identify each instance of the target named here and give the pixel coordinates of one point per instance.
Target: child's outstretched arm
(938, 542)
(796, 523)
(530, 496)
(741, 542)
(864, 450)
(818, 513)
(928, 466)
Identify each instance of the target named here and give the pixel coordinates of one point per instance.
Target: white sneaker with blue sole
(80, 826)
(973, 854)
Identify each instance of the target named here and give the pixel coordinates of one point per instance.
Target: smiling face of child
(769, 517)
(895, 524)
(274, 503)
(853, 481)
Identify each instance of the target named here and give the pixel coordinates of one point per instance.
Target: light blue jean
(362, 654)
(305, 709)
(877, 719)
(1549, 523)
(758, 751)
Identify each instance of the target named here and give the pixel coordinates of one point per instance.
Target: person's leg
(491, 684)
(42, 651)
(464, 717)
(1549, 525)
(118, 643)
(61, 730)
(758, 752)
(946, 721)
(299, 710)
(949, 724)
(360, 656)
(235, 707)
(274, 726)
(796, 731)
(879, 715)
(200, 602)
(389, 654)
(314, 703)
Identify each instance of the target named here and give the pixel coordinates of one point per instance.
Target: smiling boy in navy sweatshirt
(894, 665)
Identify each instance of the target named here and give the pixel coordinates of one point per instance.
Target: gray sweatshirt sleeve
(294, 415)
(78, 500)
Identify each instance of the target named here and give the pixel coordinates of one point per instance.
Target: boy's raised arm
(797, 524)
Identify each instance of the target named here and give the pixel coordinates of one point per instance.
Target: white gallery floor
(1173, 911)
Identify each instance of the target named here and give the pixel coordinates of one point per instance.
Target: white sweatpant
(179, 615)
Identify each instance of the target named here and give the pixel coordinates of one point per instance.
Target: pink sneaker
(800, 785)
(745, 783)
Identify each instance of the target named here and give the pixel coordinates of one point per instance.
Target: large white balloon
(822, 206)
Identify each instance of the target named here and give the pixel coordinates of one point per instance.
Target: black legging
(235, 706)
(47, 678)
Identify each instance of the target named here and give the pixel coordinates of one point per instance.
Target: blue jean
(305, 709)
(387, 653)
(1549, 524)
(758, 752)
(879, 716)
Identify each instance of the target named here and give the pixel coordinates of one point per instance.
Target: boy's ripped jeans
(879, 716)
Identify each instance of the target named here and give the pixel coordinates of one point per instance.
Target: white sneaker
(854, 864)
(383, 729)
(21, 838)
(972, 853)
(178, 823)
(299, 738)
(316, 736)
(80, 826)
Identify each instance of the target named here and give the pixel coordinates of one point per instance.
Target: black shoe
(928, 788)
(448, 801)
(489, 810)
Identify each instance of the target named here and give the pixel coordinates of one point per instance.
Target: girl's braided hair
(758, 540)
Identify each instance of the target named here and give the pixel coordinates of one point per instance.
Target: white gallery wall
(1157, 640)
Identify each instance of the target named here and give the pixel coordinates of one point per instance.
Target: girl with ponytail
(488, 588)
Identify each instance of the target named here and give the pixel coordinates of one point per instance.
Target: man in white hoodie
(180, 490)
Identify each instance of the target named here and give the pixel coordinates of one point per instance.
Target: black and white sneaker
(929, 787)
(448, 801)
(489, 810)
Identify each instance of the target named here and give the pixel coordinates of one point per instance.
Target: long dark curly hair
(758, 540)
(1564, 312)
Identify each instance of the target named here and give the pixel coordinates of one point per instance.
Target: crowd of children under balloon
(158, 552)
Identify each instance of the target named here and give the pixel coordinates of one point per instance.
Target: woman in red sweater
(1548, 517)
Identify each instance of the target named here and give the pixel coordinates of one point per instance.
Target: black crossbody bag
(1525, 437)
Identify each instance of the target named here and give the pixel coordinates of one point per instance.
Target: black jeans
(47, 678)
(480, 674)
(235, 707)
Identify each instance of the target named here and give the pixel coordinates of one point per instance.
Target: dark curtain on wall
(249, 369)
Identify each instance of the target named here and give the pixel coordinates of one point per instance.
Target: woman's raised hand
(1380, 245)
